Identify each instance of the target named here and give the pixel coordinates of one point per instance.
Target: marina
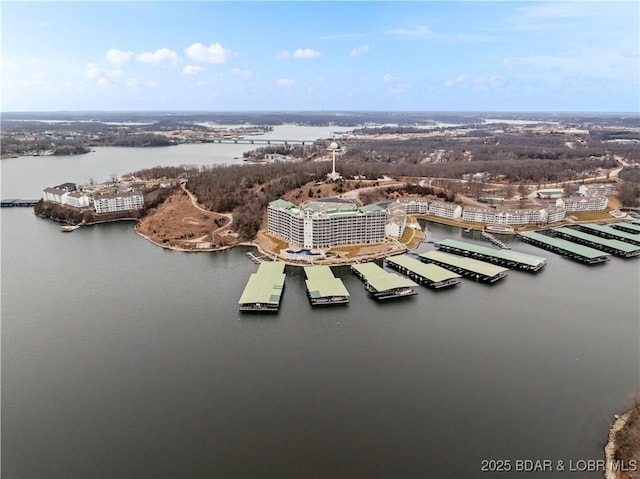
(609, 232)
(508, 259)
(627, 227)
(264, 289)
(613, 246)
(467, 267)
(573, 251)
(323, 288)
(381, 284)
(426, 274)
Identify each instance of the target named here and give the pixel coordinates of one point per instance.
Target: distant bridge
(256, 141)
(13, 203)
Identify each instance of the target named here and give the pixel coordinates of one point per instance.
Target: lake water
(120, 359)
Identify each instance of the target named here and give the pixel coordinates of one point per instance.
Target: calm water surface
(120, 359)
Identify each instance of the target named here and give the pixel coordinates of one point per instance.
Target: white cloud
(118, 57)
(214, 53)
(299, 54)
(192, 70)
(139, 83)
(455, 81)
(159, 57)
(361, 50)
(102, 76)
(285, 82)
(390, 79)
(306, 53)
(242, 73)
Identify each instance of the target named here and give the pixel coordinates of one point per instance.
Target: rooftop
(266, 285)
(322, 283)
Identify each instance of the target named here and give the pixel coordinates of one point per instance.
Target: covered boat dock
(264, 289)
(573, 251)
(507, 258)
(609, 232)
(627, 227)
(467, 267)
(616, 247)
(323, 288)
(426, 274)
(382, 284)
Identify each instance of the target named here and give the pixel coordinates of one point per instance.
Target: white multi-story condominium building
(112, 202)
(555, 214)
(445, 210)
(415, 206)
(513, 217)
(324, 224)
(396, 219)
(604, 189)
(63, 196)
(586, 203)
(478, 215)
(53, 194)
(521, 217)
(76, 199)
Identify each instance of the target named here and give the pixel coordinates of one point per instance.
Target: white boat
(69, 228)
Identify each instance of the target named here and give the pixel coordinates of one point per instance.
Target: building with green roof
(381, 284)
(467, 267)
(573, 251)
(323, 288)
(264, 289)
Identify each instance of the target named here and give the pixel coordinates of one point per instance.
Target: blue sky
(348, 55)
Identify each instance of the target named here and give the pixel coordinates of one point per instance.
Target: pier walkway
(264, 289)
(323, 288)
(467, 267)
(381, 284)
(426, 274)
(506, 258)
(573, 251)
(609, 232)
(613, 246)
(13, 203)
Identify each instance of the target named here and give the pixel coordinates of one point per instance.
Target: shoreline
(610, 447)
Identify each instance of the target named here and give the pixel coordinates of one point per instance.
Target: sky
(321, 55)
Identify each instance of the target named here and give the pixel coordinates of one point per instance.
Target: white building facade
(320, 225)
(445, 210)
(587, 203)
(112, 202)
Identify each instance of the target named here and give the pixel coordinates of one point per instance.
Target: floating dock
(627, 227)
(467, 267)
(573, 251)
(323, 288)
(426, 274)
(382, 284)
(508, 259)
(609, 232)
(264, 289)
(613, 246)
